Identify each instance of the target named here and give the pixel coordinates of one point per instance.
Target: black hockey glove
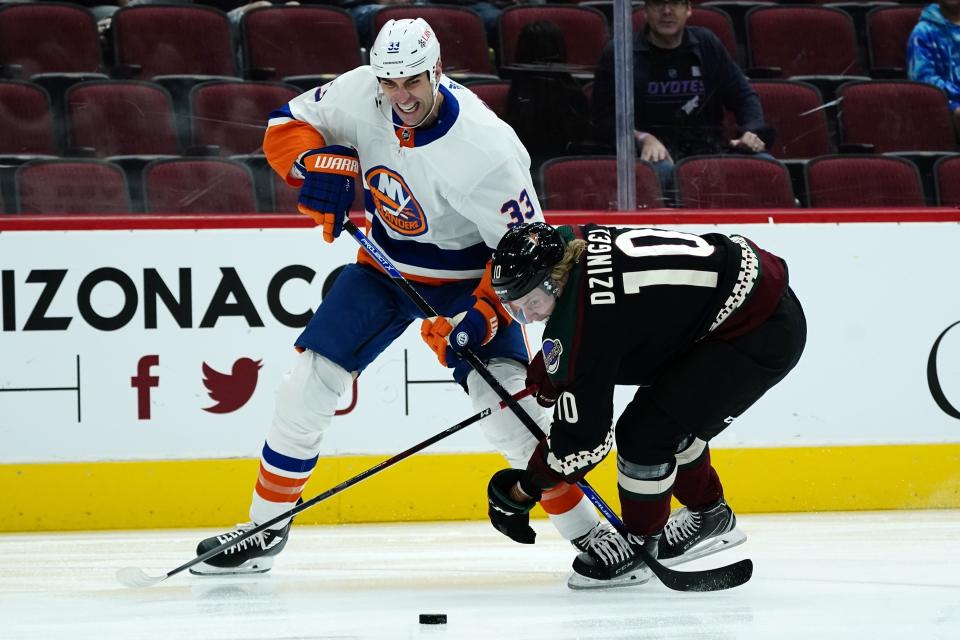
(509, 517)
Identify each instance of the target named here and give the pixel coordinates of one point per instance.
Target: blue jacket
(933, 53)
(727, 88)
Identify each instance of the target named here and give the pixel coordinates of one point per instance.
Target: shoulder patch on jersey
(552, 349)
(395, 203)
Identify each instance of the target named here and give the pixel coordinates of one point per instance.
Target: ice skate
(608, 560)
(252, 555)
(693, 534)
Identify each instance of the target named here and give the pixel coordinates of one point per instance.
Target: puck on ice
(433, 618)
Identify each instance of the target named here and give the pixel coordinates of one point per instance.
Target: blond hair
(571, 254)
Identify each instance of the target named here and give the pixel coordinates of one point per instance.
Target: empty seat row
(284, 41)
(728, 182)
(112, 117)
(166, 185)
(205, 186)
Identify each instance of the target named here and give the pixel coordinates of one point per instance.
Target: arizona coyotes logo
(394, 202)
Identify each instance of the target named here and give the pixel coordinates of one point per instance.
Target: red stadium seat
(947, 179)
(888, 29)
(584, 29)
(802, 41)
(732, 182)
(173, 40)
(716, 20)
(26, 124)
(49, 37)
(795, 110)
(121, 118)
(195, 185)
(71, 186)
(461, 33)
(895, 115)
(863, 181)
(494, 94)
(590, 183)
(233, 114)
(283, 41)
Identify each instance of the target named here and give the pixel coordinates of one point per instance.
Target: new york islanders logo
(394, 202)
(552, 349)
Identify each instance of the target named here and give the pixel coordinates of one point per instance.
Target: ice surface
(862, 575)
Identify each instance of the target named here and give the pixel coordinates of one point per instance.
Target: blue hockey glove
(330, 174)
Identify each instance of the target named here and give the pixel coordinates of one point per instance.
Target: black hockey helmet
(524, 258)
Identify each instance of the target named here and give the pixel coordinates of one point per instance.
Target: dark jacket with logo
(700, 131)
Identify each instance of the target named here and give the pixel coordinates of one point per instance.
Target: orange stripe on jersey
(561, 498)
(283, 144)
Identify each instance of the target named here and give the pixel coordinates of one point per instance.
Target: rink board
(868, 420)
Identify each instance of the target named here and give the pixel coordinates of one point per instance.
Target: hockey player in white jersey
(443, 180)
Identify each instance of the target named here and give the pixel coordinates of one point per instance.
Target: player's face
(533, 307)
(411, 98)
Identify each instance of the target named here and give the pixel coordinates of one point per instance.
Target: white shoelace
(685, 523)
(258, 539)
(608, 545)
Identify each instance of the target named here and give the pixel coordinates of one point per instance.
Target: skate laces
(684, 524)
(257, 539)
(606, 544)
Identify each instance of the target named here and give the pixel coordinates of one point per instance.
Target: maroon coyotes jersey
(636, 299)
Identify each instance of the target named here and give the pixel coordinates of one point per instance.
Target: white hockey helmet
(405, 48)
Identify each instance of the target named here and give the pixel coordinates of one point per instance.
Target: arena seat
(26, 123)
(316, 42)
(795, 110)
(895, 115)
(947, 175)
(159, 40)
(590, 183)
(802, 41)
(198, 185)
(70, 186)
(863, 181)
(48, 37)
(232, 115)
(732, 182)
(584, 30)
(121, 117)
(493, 93)
(888, 29)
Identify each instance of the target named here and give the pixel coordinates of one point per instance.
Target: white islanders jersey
(438, 199)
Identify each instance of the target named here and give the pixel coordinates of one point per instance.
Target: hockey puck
(433, 618)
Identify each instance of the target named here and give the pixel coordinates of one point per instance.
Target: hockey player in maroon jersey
(701, 325)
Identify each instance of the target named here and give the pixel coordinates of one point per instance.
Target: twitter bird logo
(230, 392)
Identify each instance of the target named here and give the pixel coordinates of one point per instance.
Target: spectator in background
(683, 79)
(933, 51)
(546, 106)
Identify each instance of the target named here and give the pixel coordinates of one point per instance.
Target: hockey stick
(136, 577)
(724, 577)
